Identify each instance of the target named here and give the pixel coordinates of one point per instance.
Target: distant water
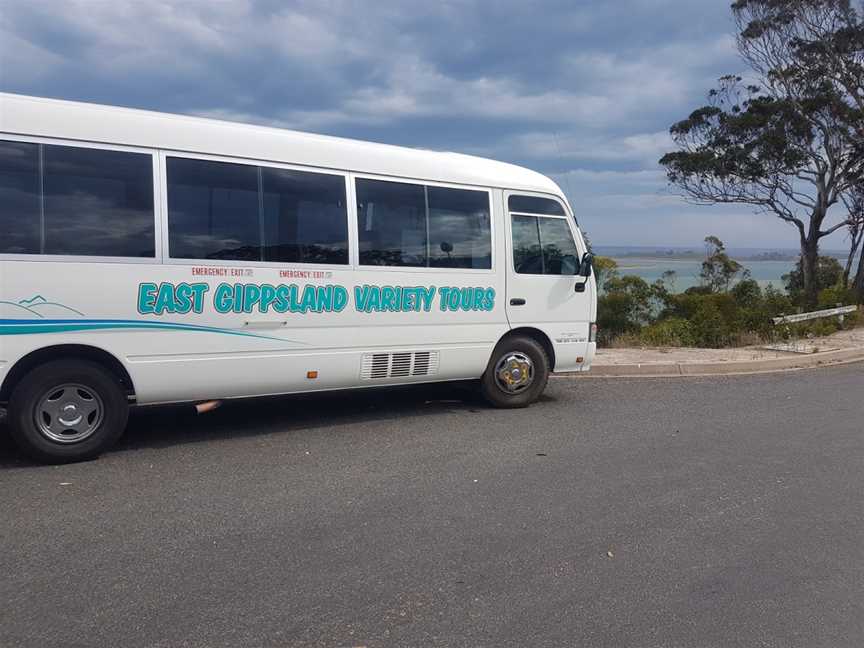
(687, 270)
(651, 263)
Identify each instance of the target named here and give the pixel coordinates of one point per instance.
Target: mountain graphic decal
(33, 300)
(37, 307)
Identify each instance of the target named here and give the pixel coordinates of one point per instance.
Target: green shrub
(747, 293)
(709, 326)
(829, 273)
(715, 314)
(672, 332)
(625, 307)
(830, 297)
(777, 303)
(821, 327)
(615, 316)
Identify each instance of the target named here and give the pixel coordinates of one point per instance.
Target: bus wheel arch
(66, 352)
(538, 336)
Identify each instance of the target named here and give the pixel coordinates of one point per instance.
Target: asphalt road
(679, 512)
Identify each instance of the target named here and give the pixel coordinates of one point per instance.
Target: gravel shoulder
(841, 347)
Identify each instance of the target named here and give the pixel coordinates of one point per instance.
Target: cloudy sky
(581, 90)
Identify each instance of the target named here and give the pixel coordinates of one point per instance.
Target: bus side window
(391, 220)
(460, 234)
(402, 224)
(213, 210)
(20, 201)
(98, 202)
(243, 212)
(71, 200)
(305, 217)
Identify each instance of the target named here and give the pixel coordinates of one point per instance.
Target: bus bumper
(590, 352)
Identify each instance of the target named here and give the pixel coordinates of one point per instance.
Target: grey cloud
(568, 88)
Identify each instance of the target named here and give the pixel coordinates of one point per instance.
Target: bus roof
(40, 117)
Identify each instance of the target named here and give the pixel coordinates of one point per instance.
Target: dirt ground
(663, 355)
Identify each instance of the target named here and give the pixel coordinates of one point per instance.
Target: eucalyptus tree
(718, 269)
(788, 139)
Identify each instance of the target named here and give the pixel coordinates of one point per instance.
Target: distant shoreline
(627, 254)
(766, 267)
(780, 258)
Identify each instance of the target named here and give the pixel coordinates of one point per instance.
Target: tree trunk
(847, 268)
(856, 234)
(809, 264)
(858, 282)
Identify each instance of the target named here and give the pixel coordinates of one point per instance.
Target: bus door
(542, 291)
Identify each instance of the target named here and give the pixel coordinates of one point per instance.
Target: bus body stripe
(35, 327)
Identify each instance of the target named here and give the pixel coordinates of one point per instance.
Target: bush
(747, 293)
(615, 316)
(819, 328)
(711, 324)
(672, 332)
(715, 314)
(636, 313)
(830, 297)
(829, 273)
(625, 307)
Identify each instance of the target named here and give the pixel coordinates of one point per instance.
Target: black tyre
(517, 373)
(67, 410)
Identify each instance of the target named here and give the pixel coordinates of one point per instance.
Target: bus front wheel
(67, 410)
(517, 373)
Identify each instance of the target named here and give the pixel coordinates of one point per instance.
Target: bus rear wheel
(517, 373)
(67, 410)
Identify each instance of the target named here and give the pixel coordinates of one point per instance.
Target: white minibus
(149, 258)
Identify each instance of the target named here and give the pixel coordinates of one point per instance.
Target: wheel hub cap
(514, 372)
(68, 413)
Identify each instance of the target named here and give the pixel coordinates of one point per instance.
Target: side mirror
(586, 266)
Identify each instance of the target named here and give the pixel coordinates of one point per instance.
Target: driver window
(527, 256)
(543, 245)
(559, 250)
